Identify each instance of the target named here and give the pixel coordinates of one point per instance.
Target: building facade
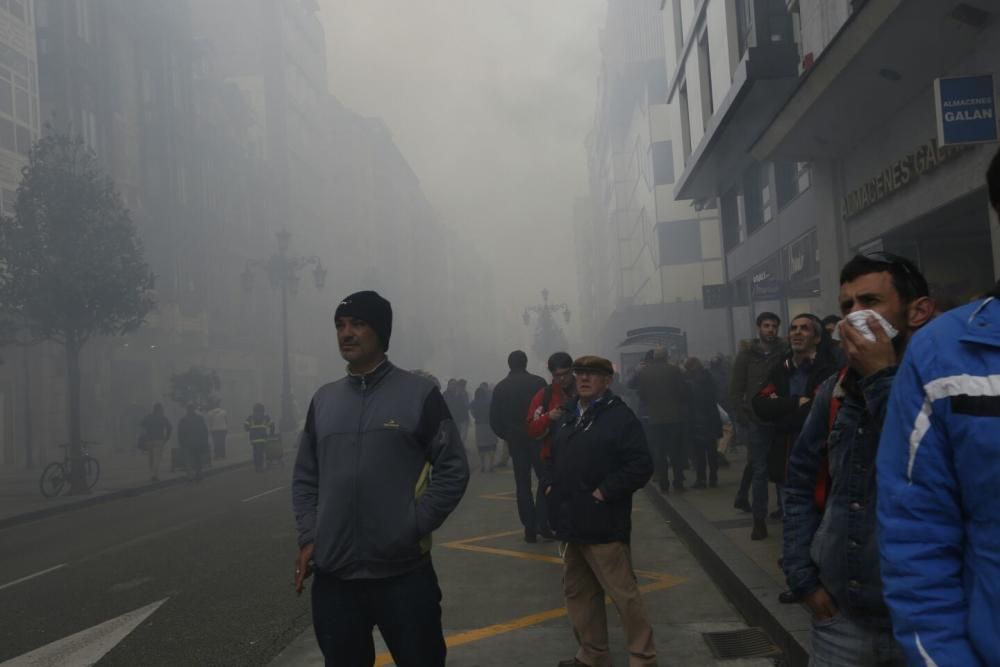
(865, 115)
(644, 257)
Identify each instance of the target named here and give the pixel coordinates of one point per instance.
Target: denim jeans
(759, 444)
(848, 642)
(531, 506)
(406, 609)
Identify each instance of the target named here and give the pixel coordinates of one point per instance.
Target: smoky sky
(490, 102)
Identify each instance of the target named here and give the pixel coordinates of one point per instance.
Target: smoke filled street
(541, 333)
(215, 558)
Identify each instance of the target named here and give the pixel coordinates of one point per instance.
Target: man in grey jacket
(366, 502)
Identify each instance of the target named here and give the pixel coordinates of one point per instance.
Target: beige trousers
(591, 571)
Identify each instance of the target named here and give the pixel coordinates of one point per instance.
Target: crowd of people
(877, 427)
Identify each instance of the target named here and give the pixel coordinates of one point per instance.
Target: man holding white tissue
(831, 555)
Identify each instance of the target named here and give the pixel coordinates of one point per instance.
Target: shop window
(680, 242)
(23, 139)
(663, 162)
(7, 135)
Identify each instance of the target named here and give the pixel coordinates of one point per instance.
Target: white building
(643, 257)
(19, 113)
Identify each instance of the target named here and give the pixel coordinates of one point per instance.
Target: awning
(762, 82)
(885, 55)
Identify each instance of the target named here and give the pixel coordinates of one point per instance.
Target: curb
(751, 590)
(99, 499)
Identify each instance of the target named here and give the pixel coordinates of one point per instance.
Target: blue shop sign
(966, 110)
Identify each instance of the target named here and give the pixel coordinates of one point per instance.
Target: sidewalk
(122, 474)
(745, 570)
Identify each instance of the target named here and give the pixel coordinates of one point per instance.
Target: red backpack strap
(824, 483)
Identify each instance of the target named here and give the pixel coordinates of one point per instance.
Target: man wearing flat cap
(599, 459)
(365, 500)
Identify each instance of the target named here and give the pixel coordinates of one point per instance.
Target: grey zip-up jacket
(380, 467)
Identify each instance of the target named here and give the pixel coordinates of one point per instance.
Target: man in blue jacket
(938, 477)
(831, 557)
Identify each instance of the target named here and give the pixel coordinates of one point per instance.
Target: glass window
(23, 140)
(22, 110)
(766, 210)
(744, 26)
(7, 135)
(6, 98)
(680, 242)
(752, 209)
(705, 76)
(663, 162)
(682, 100)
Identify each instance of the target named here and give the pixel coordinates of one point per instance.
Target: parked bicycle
(56, 475)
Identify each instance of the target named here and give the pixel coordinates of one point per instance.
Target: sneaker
(742, 504)
(788, 597)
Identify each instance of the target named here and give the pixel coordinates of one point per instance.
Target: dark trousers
(219, 444)
(258, 455)
(666, 441)
(755, 473)
(194, 460)
(406, 609)
(531, 509)
(704, 453)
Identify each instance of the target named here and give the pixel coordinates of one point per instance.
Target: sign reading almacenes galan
(897, 176)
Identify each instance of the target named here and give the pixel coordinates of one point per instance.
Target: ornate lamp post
(545, 309)
(283, 272)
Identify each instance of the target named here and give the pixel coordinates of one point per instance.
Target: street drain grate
(749, 643)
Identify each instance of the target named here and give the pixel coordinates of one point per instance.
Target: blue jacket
(939, 492)
(838, 548)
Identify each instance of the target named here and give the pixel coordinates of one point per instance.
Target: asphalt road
(202, 572)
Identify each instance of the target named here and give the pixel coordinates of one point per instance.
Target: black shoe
(759, 529)
(679, 487)
(664, 489)
(501, 465)
(572, 663)
(531, 538)
(723, 461)
(742, 504)
(777, 515)
(547, 535)
(713, 483)
(788, 597)
(700, 484)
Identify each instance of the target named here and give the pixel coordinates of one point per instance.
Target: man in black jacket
(599, 459)
(509, 420)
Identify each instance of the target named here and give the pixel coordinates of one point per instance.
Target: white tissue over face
(859, 320)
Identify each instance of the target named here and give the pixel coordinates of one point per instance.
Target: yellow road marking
(470, 540)
(505, 495)
(664, 581)
(523, 555)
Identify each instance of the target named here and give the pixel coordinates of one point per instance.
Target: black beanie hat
(369, 307)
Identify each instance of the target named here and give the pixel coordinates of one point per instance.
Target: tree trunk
(29, 447)
(77, 478)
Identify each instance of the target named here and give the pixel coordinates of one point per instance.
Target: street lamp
(545, 308)
(283, 271)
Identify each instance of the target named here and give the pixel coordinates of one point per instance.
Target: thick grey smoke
(490, 103)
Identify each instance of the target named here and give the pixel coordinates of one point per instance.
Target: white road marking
(32, 576)
(87, 646)
(261, 495)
